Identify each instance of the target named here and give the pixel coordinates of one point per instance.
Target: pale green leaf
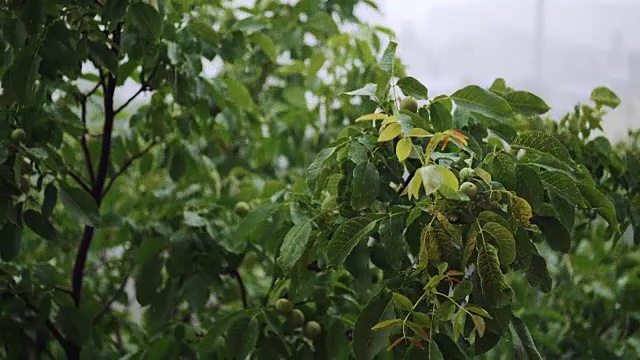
(386, 324)
(403, 148)
(390, 132)
(432, 178)
(605, 96)
(293, 245)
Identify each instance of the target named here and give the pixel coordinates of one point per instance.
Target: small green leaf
(462, 290)
(368, 89)
(598, 201)
(440, 116)
(390, 132)
(146, 19)
(604, 96)
(526, 103)
(433, 282)
(538, 274)
(479, 100)
(238, 93)
(293, 245)
(385, 324)
(418, 132)
(376, 116)
(196, 291)
(388, 57)
(247, 227)
(458, 324)
(39, 225)
(412, 87)
(113, 10)
(80, 204)
(402, 302)
(266, 44)
(50, 200)
(403, 148)
(75, 324)
(364, 186)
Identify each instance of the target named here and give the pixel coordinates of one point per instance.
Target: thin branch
(80, 181)
(61, 289)
(107, 305)
(127, 164)
(95, 88)
(55, 332)
(143, 86)
(243, 288)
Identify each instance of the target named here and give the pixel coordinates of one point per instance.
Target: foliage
(282, 205)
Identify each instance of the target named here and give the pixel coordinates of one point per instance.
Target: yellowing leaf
(378, 116)
(484, 175)
(479, 324)
(403, 149)
(390, 132)
(435, 140)
(390, 119)
(521, 209)
(386, 324)
(448, 178)
(413, 189)
(418, 132)
(478, 310)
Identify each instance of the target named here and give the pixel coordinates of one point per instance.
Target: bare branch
(243, 288)
(143, 86)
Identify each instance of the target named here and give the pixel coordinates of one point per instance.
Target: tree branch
(243, 288)
(107, 305)
(83, 139)
(143, 86)
(127, 164)
(66, 345)
(80, 181)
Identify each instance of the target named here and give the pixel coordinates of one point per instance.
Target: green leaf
(402, 302)
(403, 148)
(366, 342)
(49, 201)
(412, 87)
(113, 10)
(204, 31)
(390, 132)
(385, 324)
(502, 167)
(146, 19)
(504, 238)
(193, 219)
(10, 236)
(346, 237)
(557, 236)
(560, 184)
(148, 280)
(293, 245)
(431, 178)
(499, 86)
(368, 89)
(316, 166)
(543, 143)
(458, 324)
(249, 224)
(526, 103)
(266, 44)
(238, 93)
(388, 57)
(39, 225)
(103, 56)
(242, 337)
(600, 203)
(392, 239)
(525, 338)
(479, 324)
(80, 204)
(462, 290)
(603, 96)
(477, 310)
(529, 186)
(479, 100)
(196, 291)
(440, 116)
(364, 186)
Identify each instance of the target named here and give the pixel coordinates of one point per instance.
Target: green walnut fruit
(241, 208)
(466, 174)
(284, 306)
(469, 188)
(311, 329)
(410, 104)
(18, 135)
(296, 318)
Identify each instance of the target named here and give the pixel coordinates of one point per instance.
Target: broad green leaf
(554, 232)
(49, 201)
(266, 44)
(603, 96)
(529, 186)
(543, 143)
(316, 166)
(502, 167)
(249, 224)
(193, 219)
(146, 19)
(393, 241)
(412, 87)
(479, 100)
(364, 186)
(385, 324)
(422, 319)
(390, 132)
(418, 330)
(293, 245)
(458, 324)
(504, 238)
(204, 31)
(560, 184)
(525, 338)
(402, 302)
(403, 148)
(113, 10)
(526, 103)
(440, 116)
(80, 204)
(346, 237)
(598, 201)
(195, 290)
(238, 93)
(449, 179)
(491, 278)
(367, 90)
(432, 178)
(242, 337)
(388, 57)
(366, 342)
(376, 116)
(462, 290)
(39, 225)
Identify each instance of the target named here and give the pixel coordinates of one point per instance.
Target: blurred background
(558, 49)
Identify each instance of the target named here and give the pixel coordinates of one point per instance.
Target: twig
(127, 164)
(143, 86)
(95, 88)
(107, 305)
(80, 181)
(243, 289)
(61, 289)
